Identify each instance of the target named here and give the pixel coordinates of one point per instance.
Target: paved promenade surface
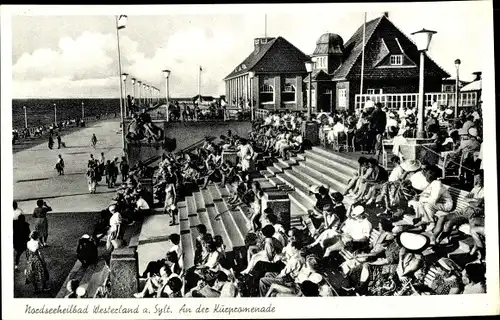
(35, 176)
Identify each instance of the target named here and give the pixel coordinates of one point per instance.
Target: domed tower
(328, 53)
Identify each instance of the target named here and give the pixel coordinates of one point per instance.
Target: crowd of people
(360, 233)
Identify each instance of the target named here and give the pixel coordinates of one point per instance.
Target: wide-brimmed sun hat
(413, 242)
(80, 291)
(472, 132)
(411, 165)
(357, 211)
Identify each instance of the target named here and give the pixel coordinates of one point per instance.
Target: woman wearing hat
(444, 278)
(411, 259)
(398, 191)
(435, 197)
(356, 231)
(328, 229)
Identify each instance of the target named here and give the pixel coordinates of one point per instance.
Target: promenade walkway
(35, 176)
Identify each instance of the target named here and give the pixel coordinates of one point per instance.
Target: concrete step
(156, 228)
(184, 220)
(341, 170)
(296, 158)
(217, 226)
(301, 178)
(324, 178)
(266, 173)
(228, 222)
(188, 248)
(191, 206)
(287, 163)
(272, 170)
(301, 202)
(275, 181)
(281, 167)
(202, 212)
(300, 189)
(199, 203)
(97, 279)
(327, 169)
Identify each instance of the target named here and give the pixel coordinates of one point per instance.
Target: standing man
(102, 164)
(60, 165)
(58, 141)
(124, 167)
(94, 140)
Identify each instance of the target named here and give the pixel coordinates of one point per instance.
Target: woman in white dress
(246, 155)
(170, 194)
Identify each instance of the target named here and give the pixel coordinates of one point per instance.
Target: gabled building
(391, 65)
(279, 70)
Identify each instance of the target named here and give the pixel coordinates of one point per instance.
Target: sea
(41, 111)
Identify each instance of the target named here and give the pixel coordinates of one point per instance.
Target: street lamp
(55, 114)
(83, 110)
(121, 22)
(251, 75)
(457, 86)
(422, 40)
(144, 90)
(166, 74)
(309, 68)
(25, 118)
(133, 88)
(125, 101)
(139, 87)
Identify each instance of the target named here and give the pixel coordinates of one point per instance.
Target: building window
(342, 98)
(374, 91)
(288, 94)
(396, 60)
(266, 93)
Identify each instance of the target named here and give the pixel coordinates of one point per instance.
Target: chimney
(386, 14)
(478, 75)
(258, 42)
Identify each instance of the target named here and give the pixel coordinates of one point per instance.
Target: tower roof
(329, 43)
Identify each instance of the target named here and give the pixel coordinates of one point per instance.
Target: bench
(91, 278)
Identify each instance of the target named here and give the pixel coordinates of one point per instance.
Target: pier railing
(394, 101)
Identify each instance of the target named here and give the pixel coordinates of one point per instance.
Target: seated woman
(445, 278)
(375, 182)
(355, 231)
(154, 283)
(322, 199)
(432, 199)
(308, 272)
(272, 249)
(362, 161)
(411, 260)
(328, 230)
(448, 220)
(228, 172)
(398, 190)
(211, 175)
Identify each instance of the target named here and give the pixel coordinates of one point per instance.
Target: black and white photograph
(265, 153)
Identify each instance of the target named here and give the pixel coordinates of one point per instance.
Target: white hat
(448, 111)
(391, 115)
(112, 208)
(413, 241)
(411, 165)
(85, 236)
(472, 132)
(357, 211)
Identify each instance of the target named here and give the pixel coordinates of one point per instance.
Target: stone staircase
(320, 166)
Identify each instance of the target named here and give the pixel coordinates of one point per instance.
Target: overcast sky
(75, 55)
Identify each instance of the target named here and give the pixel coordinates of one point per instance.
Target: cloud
(91, 60)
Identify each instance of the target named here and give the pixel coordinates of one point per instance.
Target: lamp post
(422, 40)
(133, 88)
(309, 67)
(125, 100)
(144, 88)
(166, 74)
(251, 75)
(457, 86)
(121, 22)
(139, 86)
(25, 118)
(55, 114)
(83, 110)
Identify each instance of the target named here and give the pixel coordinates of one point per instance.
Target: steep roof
(377, 48)
(277, 55)
(354, 48)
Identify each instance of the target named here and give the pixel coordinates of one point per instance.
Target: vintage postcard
(280, 161)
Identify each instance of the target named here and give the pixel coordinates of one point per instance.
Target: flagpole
(199, 83)
(363, 56)
(122, 121)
